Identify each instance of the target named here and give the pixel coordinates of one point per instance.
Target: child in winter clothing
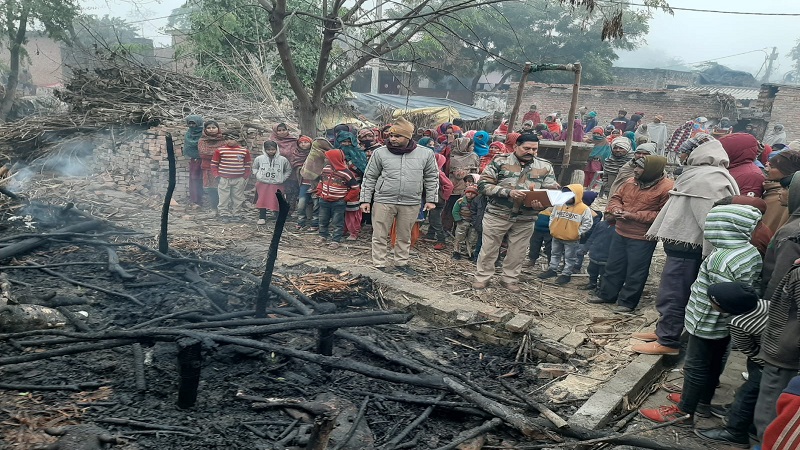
(598, 244)
(588, 198)
(541, 235)
(230, 165)
(728, 228)
(337, 186)
(435, 227)
(309, 178)
(568, 223)
(271, 170)
(307, 207)
(462, 216)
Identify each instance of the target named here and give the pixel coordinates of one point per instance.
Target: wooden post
(573, 106)
(272, 255)
(190, 361)
(325, 335)
(520, 90)
(163, 245)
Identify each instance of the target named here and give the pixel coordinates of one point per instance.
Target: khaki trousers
(383, 215)
(231, 195)
(519, 235)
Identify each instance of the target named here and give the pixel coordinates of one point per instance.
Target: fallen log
(146, 425)
(115, 268)
(27, 245)
(20, 318)
(56, 387)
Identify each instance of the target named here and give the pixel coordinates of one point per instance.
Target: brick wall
(139, 164)
(676, 106)
(786, 110)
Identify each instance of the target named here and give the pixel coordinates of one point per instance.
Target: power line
(715, 59)
(715, 11)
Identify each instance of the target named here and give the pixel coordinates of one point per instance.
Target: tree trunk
(16, 54)
(474, 84)
(307, 116)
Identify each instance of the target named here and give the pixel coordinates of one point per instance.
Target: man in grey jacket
(396, 176)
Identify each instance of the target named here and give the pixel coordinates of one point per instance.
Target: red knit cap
(303, 138)
(472, 189)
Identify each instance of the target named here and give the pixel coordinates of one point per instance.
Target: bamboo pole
(573, 106)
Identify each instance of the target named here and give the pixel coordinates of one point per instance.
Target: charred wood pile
(133, 346)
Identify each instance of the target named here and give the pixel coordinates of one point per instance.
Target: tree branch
(277, 18)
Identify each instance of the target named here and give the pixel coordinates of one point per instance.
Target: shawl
(533, 116)
(631, 137)
(577, 131)
(445, 185)
(658, 134)
(315, 162)
(193, 135)
(298, 156)
(704, 180)
(775, 137)
(352, 153)
(601, 150)
(442, 129)
(207, 145)
(286, 145)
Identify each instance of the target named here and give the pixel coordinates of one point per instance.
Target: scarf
(601, 150)
(703, 181)
(401, 150)
(336, 158)
(193, 135)
(352, 153)
(612, 164)
(207, 145)
(481, 140)
(286, 145)
(298, 156)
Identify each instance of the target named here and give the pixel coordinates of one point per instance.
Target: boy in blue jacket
(598, 245)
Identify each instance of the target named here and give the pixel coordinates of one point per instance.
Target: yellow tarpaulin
(441, 113)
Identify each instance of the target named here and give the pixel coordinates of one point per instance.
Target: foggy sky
(690, 36)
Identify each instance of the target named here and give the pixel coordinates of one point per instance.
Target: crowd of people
(727, 220)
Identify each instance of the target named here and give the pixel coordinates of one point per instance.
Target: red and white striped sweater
(231, 162)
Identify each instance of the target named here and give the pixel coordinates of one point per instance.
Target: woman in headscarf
(357, 163)
(209, 142)
(367, 141)
(621, 153)
(577, 131)
(633, 122)
(511, 142)
(481, 142)
(190, 150)
(463, 161)
(631, 137)
(496, 148)
(591, 122)
(436, 230)
(296, 159)
(642, 134)
(600, 152)
(776, 136)
(431, 133)
(553, 125)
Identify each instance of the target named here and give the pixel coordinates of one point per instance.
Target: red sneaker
(664, 414)
(674, 397)
(439, 246)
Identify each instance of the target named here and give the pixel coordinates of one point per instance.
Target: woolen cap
(403, 128)
(733, 297)
(472, 189)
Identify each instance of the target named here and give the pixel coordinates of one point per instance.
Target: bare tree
(369, 35)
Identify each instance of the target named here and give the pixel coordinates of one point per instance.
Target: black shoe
(720, 411)
(549, 273)
(406, 270)
(703, 410)
(588, 287)
(597, 299)
(456, 255)
(385, 269)
(563, 279)
(723, 436)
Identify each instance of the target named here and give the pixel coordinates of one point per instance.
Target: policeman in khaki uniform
(503, 182)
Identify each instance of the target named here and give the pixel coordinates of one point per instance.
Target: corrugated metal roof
(367, 104)
(739, 93)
